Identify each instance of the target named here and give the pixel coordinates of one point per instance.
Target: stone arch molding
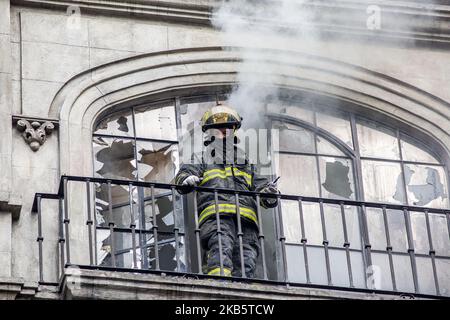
(90, 93)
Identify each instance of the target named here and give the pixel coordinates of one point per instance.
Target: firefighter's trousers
(230, 246)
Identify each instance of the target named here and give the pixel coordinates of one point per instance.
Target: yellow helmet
(221, 116)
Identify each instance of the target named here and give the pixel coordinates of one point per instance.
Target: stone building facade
(68, 71)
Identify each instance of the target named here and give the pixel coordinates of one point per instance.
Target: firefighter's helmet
(221, 116)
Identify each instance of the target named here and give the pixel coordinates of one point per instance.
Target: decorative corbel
(34, 130)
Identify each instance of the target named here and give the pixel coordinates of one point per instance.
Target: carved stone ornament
(35, 132)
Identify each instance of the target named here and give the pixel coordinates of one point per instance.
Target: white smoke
(255, 26)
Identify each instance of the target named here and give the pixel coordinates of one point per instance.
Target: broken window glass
(157, 162)
(293, 138)
(383, 181)
(338, 125)
(426, 186)
(292, 111)
(412, 152)
(336, 178)
(377, 141)
(114, 158)
(118, 124)
(156, 122)
(298, 175)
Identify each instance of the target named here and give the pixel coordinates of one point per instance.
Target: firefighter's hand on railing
(191, 181)
(270, 188)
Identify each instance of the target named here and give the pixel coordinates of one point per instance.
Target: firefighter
(222, 164)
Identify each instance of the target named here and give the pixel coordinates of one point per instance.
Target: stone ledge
(406, 20)
(99, 284)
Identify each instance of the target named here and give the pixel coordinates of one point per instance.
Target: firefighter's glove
(191, 181)
(269, 202)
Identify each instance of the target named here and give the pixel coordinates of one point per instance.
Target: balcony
(136, 265)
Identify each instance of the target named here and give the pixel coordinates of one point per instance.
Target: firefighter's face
(222, 133)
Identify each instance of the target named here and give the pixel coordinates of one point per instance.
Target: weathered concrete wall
(41, 49)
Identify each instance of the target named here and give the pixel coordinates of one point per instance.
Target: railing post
(240, 234)
(40, 240)
(132, 224)
(261, 237)
(155, 228)
(219, 232)
(61, 239)
(432, 253)
(389, 248)
(111, 226)
(281, 238)
(325, 242)
(347, 245)
(304, 240)
(66, 219)
(411, 249)
(197, 235)
(366, 240)
(176, 229)
(89, 221)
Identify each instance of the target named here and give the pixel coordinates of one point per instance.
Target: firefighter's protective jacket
(229, 169)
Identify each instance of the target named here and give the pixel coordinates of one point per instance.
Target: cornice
(412, 20)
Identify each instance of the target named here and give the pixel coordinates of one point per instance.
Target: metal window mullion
(304, 240)
(155, 228)
(176, 230)
(432, 253)
(89, 221)
(40, 240)
(347, 245)
(367, 261)
(240, 235)
(261, 237)
(325, 243)
(389, 248)
(219, 231)
(112, 136)
(197, 235)
(111, 226)
(132, 224)
(402, 165)
(411, 249)
(66, 219)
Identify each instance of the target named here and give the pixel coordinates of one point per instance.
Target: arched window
(336, 154)
(321, 151)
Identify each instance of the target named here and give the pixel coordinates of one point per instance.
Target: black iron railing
(441, 287)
